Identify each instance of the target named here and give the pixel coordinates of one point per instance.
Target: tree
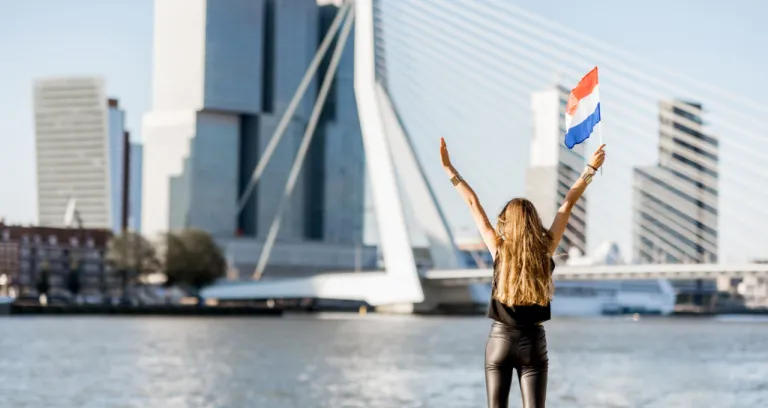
(132, 256)
(130, 251)
(193, 258)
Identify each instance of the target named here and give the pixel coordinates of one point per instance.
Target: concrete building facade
(676, 202)
(81, 145)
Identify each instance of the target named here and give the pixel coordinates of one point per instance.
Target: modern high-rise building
(134, 191)
(81, 150)
(118, 159)
(676, 201)
(224, 73)
(554, 168)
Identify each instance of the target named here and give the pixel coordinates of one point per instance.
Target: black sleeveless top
(519, 315)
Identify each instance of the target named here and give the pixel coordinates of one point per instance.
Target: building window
(314, 201)
(696, 223)
(694, 148)
(698, 135)
(661, 184)
(268, 58)
(693, 164)
(247, 219)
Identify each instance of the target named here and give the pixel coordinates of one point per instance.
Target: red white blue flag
(582, 113)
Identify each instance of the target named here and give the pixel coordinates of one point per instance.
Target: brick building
(28, 252)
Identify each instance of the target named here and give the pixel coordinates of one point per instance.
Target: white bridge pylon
(396, 180)
(390, 158)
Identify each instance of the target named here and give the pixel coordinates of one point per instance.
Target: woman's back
(526, 315)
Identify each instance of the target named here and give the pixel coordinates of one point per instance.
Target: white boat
(656, 296)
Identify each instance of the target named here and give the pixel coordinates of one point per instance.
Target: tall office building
(207, 93)
(676, 201)
(118, 159)
(81, 149)
(134, 191)
(224, 73)
(554, 168)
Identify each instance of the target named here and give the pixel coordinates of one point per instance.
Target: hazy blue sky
(722, 43)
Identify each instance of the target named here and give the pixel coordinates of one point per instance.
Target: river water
(370, 361)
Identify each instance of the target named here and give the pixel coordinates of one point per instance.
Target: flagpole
(600, 137)
(600, 130)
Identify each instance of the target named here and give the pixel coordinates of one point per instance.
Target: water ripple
(373, 362)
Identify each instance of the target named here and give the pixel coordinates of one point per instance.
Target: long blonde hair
(522, 266)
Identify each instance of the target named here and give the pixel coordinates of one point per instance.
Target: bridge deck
(618, 272)
(377, 288)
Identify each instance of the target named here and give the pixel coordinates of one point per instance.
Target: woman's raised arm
(478, 213)
(564, 213)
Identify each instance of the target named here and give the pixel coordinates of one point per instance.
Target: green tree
(192, 258)
(131, 255)
(130, 251)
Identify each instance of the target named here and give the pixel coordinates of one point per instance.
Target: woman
(522, 250)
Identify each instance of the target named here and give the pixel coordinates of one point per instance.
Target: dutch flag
(582, 113)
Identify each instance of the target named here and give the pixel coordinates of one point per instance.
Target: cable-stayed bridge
(466, 71)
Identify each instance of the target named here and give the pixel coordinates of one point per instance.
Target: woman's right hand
(598, 157)
(444, 158)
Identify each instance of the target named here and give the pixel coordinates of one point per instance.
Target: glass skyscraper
(215, 107)
(224, 73)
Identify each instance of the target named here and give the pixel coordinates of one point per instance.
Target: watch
(456, 179)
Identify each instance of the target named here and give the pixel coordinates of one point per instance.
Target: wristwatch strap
(455, 180)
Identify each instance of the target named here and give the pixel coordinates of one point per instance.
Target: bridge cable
(304, 147)
(292, 106)
(623, 124)
(496, 37)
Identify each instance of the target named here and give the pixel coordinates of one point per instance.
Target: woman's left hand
(598, 157)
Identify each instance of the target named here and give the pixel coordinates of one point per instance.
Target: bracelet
(586, 177)
(592, 167)
(456, 179)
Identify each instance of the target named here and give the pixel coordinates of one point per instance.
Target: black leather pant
(516, 348)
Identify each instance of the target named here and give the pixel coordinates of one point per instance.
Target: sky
(477, 87)
(716, 42)
(111, 39)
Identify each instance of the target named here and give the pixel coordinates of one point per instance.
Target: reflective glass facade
(204, 143)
